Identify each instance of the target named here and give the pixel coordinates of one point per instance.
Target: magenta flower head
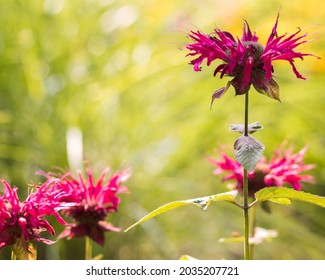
(246, 60)
(284, 168)
(94, 202)
(22, 222)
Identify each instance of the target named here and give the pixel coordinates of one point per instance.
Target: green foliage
(279, 195)
(284, 195)
(201, 202)
(23, 250)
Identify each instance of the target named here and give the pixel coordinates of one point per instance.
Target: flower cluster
(86, 202)
(24, 221)
(284, 167)
(93, 202)
(245, 59)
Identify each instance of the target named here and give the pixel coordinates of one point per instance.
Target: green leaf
(284, 195)
(24, 250)
(201, 202)
(248, 152)
(281, 200)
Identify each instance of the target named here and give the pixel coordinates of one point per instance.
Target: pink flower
(245, 59)
(94, 202)
(283, 168)
(25, 220)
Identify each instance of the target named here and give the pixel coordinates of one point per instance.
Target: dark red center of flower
(253, 52)
(91, 215)
(253, 49)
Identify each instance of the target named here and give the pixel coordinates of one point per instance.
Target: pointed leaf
(202, 202)
(253, 127)
(227, 196)
(248, 152)
(24, 250)
(237, 83)
(269, 88)
(219, 92)
(285, 195)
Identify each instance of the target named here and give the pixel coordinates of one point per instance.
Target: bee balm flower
(94, 202)
(283, 168)
(246, 60)
(22, 222)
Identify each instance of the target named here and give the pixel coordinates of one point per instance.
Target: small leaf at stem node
(253, 127)
(248, 152)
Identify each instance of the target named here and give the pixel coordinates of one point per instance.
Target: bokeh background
(106, 81)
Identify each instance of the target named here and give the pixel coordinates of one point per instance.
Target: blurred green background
(113, 74)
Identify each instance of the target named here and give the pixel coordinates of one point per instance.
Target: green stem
(246, 115)
(246, 217)
(245, 191)
(88, 249)
(252, 229)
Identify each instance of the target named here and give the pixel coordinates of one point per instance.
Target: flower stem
(252, 229)
(246, 217)
(88, 249)
(246, 115)
(245, 191)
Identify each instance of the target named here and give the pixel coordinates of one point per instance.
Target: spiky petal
(94, 202)
(22, 222)
(246, 60)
